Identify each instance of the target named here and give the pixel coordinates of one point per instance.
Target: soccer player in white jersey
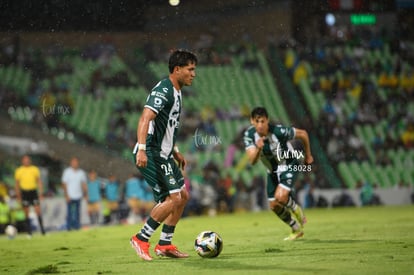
(158, 158)
(270, 143)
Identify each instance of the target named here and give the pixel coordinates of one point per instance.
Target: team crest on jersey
(172, 181)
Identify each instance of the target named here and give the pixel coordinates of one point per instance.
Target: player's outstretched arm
(304, 137)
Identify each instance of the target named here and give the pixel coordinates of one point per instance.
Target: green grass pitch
(373, 240)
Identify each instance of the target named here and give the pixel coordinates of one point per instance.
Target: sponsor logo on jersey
(159, 94)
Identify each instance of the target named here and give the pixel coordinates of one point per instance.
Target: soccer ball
(11, 231)
(208, 244)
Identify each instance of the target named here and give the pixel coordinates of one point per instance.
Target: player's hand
(141, 158)
(180, 159)
(309, 159)
(260, 142)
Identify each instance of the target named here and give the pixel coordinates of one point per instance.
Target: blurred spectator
(382, 158)
(208, 193)
(242, 199)
(367, 195)
(225, 194)
(308, 189)
(259, 191)
(300, 73)
(29, 190)
(343, 199)
(193, 183)
(139, 198)
(4, 214)
(74, 183)
(407, 137)
(112, 200)
(94, 197)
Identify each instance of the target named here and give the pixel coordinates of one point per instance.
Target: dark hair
(259, 111)
(181, 58)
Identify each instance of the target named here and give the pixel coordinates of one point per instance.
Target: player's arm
(253, 152)
(65, 191)
(303, 136)
(179, 157)
(142, 132)
(85, 190)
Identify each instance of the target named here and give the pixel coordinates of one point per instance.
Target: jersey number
(167, 169)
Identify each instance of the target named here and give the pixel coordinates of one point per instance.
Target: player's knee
(185, 196)
(282, 199)
(178, 199)
(275, 206)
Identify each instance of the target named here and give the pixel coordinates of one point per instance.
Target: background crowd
(361, 86)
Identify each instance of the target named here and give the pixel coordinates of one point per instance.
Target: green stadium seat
(346, 174)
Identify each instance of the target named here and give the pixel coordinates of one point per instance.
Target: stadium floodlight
(174, 2)
(330, 19)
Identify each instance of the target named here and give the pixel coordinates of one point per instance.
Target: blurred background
(74, 76)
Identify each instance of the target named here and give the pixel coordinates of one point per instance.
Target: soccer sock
(291, 204)
(96, 218)
(166, 234)
(148, 229)
(28, 226)
(40, 220)
(284, 214)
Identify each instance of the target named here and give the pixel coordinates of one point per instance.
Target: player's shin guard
(40, 221)
(284, 214)
(148, 229)
(296, 211)
(291, 204)
(28, 226)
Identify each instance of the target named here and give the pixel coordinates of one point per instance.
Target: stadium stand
(360, 97)
(93, 96)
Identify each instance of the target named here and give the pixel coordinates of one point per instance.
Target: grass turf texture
(377, 240)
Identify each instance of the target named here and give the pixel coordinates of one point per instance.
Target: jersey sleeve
(36, 172)
(64, 176)
(157, 99)
(84, 177)
(284, 133)
(17, 174)
(248, 139)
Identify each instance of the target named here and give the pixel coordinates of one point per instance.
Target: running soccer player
(27, 186)
(158, 158)
(270, 144)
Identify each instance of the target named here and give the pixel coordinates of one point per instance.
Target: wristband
(176, 149)
(142, 147)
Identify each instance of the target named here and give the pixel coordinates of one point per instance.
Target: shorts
(30, 197)
(94, 206)
(112, 205)
(286, 179)
(163, 175)
(136, 205)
